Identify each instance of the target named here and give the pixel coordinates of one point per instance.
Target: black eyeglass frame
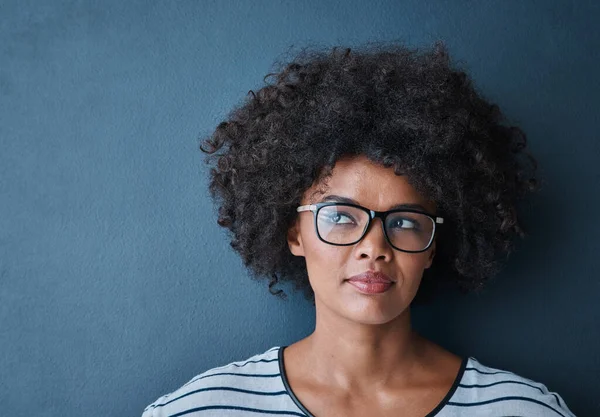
(372, 214)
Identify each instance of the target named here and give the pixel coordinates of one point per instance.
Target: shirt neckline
(432, 413)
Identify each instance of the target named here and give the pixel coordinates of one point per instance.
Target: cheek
(411, 265)
(324, 262)
(413, 261)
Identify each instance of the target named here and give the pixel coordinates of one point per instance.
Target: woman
(372, 179)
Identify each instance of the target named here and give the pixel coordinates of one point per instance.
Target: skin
(363, 357)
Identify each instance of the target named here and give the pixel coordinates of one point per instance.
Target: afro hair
(402, 107)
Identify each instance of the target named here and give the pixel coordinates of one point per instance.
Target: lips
(371, 282)
(372, 277)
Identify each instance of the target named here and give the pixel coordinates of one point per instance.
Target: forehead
(369, 183)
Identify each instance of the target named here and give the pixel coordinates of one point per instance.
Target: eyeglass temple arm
(310, 207)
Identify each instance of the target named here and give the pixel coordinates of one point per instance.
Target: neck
(361, 357)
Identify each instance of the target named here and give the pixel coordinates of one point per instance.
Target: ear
(431, 255)
(294, 239)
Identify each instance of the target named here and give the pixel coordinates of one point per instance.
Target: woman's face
(377, 188)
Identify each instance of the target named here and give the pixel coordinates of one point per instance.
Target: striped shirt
(258, 386)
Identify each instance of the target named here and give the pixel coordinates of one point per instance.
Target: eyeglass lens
(345, 225)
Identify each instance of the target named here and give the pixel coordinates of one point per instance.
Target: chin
(373, 320)
(367, 313)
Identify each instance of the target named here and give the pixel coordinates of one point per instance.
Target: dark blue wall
(116, 284)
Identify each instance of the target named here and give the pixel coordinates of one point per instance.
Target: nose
(374, 244)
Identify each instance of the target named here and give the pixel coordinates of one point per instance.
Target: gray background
(116, 284)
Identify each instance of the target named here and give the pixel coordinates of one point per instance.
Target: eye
(337, 218)
(404, 223)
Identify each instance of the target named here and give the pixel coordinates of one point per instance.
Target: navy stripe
(506, 399)
(556, 398)
(261, 360)
(236, 374)
(228, 407)
(231, 373)
(245, 391)
(488, 373)
(500, 382)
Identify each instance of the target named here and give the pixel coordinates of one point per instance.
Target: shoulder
(488, 389)
(208, 389)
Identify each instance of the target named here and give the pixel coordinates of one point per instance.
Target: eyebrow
(340, 199)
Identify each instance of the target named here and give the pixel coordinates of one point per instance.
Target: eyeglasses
(344, 224)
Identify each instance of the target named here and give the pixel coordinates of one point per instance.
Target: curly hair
(402, 107)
